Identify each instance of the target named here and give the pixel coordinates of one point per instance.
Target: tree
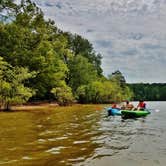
(150, 92)
(82, 72)
(12, 89)
(6, 4)
(7, 10)
(117, 77)
(83, 47)
(102, 92)
(65, 64)
(36, 46)
(63, 94)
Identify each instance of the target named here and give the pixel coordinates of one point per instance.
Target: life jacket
(142, 105)
(114, 106)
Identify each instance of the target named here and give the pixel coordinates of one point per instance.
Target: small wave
(7, 162)
(55, 139)
(46, 132)
(55, 150)
(80, 142)
(79, 159)
(27, 158)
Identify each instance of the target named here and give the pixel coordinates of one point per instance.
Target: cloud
(90, 30)
(130, 34)
(129, 52)
(48, 4)
(103, 43)
(151, 46)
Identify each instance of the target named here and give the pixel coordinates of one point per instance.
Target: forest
(40, 62)
(149, 92)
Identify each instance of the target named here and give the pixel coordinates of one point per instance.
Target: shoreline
(32, 106)
(40, 106)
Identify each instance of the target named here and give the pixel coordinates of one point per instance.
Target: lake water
(82, 135)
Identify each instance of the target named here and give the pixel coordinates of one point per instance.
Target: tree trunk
(7, 107)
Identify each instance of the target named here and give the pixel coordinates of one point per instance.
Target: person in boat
(127, 106)
(141, 105)
(114, 105)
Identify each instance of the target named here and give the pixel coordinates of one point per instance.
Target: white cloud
(130, 34)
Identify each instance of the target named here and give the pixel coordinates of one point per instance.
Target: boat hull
(114, 111)
(134, 114)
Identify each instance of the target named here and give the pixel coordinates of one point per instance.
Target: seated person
(114, 105)
(141, 105)
(127, 106)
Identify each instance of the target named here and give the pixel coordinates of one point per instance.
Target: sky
(130, 34)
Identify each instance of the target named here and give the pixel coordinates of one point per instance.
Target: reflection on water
(80, 135)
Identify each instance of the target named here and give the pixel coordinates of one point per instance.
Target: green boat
(135, 113)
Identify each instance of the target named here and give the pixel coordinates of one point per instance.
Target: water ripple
(80, 135)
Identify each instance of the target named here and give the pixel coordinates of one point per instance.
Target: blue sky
(130, 34)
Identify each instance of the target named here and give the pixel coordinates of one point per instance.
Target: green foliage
(6, 4)
(102, 92)
(65, 64)
(7, 8)
(83, 47)
(149, 92)
(35, 44)
(12, 89)
(81, 72)
(63, 94)
(118, 78)
(51, 69)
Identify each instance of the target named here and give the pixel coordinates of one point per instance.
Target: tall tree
(81, 72)
(63, 62)
(118, 77)
(7, 10)
(83, 47)
(12, 89)
(32, 42)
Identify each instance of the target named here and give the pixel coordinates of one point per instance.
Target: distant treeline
(149, 92)
(38, 61)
